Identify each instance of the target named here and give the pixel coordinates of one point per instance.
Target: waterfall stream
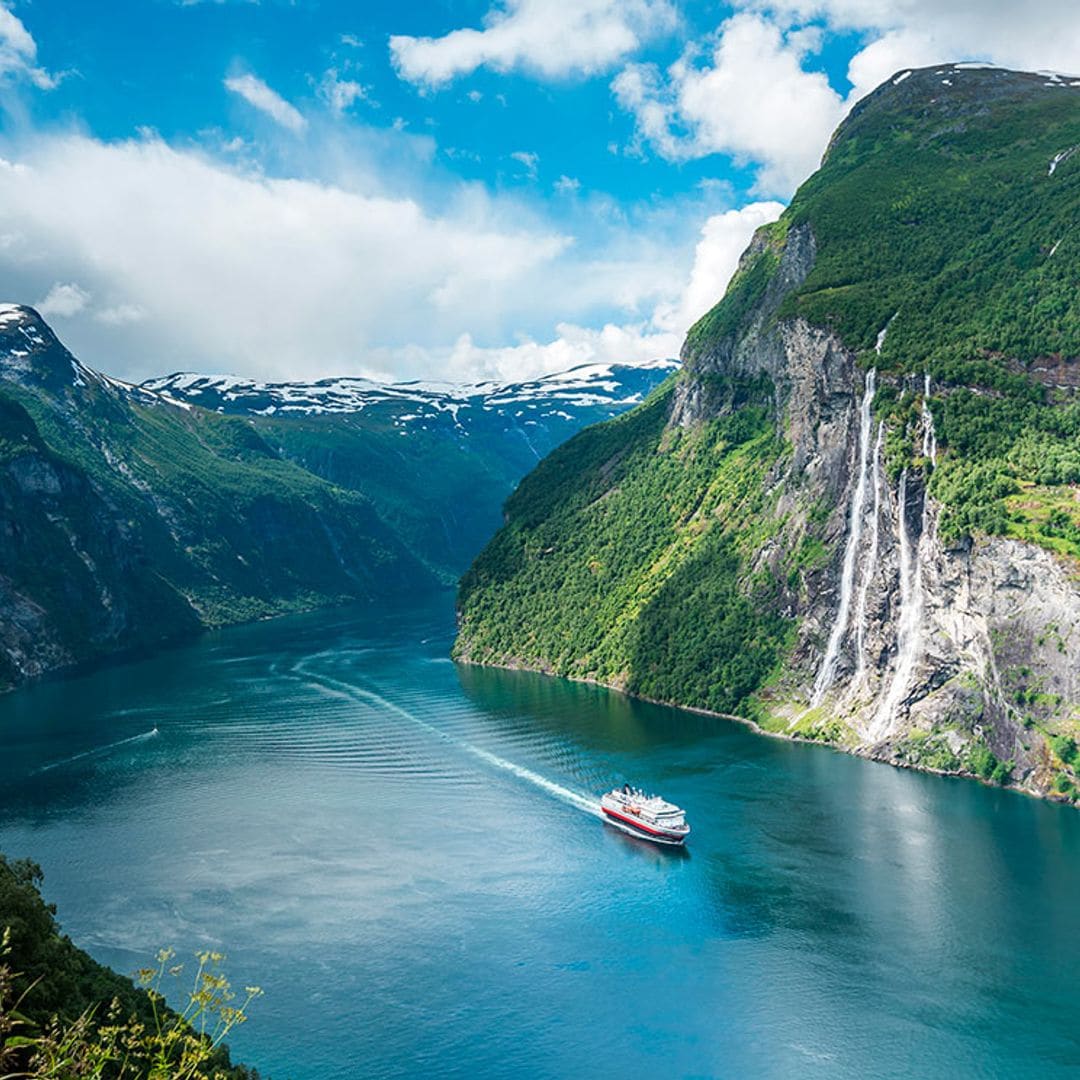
(827, 672)
(909, 622)
(859, 565)
(929, 438)
(870, 564)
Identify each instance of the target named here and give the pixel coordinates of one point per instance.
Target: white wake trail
(574, 798)
(97, 751)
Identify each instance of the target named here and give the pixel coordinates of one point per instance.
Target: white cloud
(64, 300)
(756, 98)
(551, 40)
(567, 185)
(752, 100)
(1034, 35)
(723, 239)
(340, 94)
(894, 50)
(634, 343)
(527, 159)
(260, 96)
(120, 315)
(261, 275)
(18, 52)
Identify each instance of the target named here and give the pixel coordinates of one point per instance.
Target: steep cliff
(129, 519)
(853, 517)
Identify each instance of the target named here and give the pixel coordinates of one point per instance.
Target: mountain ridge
(132, 517)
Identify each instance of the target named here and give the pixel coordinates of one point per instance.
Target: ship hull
(633, 827)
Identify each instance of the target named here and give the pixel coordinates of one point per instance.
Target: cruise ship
(647, 816)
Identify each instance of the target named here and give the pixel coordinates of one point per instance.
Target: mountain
(437, 460)
(132, 517)
(854, 515)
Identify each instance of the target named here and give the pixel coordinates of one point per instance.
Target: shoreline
(864, 752)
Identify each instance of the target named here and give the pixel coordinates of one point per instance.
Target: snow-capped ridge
(587, 385)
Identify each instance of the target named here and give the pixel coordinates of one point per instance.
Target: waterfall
(871, 560)
(929, 438)
(827, 672)
(909, 622)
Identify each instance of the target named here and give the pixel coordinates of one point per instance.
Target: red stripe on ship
(638, 824)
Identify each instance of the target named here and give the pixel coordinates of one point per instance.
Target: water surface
(405, 856)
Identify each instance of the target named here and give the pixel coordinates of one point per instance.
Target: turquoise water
(405, 856)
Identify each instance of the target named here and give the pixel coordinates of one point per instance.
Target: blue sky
(455, 190)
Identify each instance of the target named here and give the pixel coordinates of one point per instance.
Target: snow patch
(901, 77)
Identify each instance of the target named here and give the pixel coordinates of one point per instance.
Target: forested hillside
(804, 527)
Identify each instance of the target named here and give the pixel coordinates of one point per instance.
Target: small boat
(647, 816)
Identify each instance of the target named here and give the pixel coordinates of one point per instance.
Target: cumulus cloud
(120, 315)
(63, 300)
(528, 160)
(18, 52)
(1037, 34)
(752, 99)
(723, 239)
(571, 346)
(756, 97)
(550, 40)
(340, 94)
(252, 273)
(260, 96)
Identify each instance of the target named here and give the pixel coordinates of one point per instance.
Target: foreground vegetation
(64, 1016)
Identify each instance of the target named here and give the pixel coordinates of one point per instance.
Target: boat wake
(574, 798)
(98, 751)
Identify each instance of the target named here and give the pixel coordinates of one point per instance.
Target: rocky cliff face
(911, 649)
(906, 544)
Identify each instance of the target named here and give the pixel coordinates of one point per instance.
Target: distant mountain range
(605, 388)
(132, 515)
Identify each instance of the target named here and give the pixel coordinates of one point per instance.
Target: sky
(294, 189)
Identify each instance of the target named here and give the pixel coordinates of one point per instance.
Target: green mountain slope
(437, 460)
(129, 521)
(783, 534)
(610, 568)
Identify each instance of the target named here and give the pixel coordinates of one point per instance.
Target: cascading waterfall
(871, 560)
(929, 438)
(827, 672)
(909, 623)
